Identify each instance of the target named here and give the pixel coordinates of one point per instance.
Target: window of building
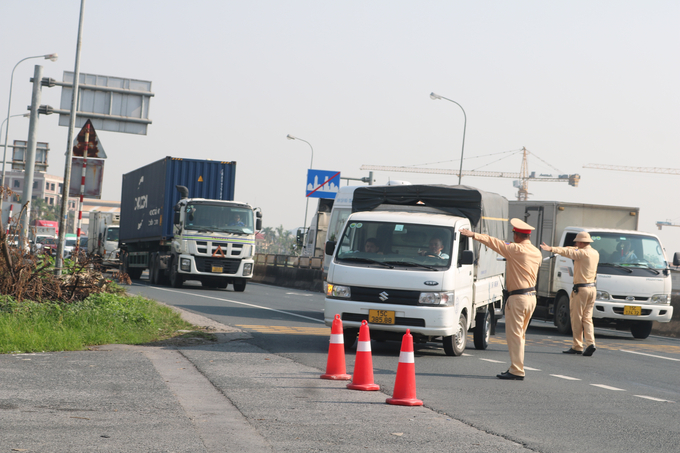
(47, 186)
(51, 200)
(52, 187)
(35, 184)
(17, 183)
(61, 187)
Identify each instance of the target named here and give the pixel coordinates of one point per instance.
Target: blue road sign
(322, 183)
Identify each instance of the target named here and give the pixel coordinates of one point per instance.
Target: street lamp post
(435, 97)
(311, 164)
(51, 57)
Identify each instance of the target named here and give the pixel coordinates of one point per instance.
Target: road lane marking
(650, 355)
(568, 378)
(288, 330)
(654, 399)
(531, 369)
(492, 361)
(607, 387)
(301, 294)
(242, 303)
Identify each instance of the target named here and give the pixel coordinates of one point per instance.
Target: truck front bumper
(430, 321)
(217, 267)
(649, 312)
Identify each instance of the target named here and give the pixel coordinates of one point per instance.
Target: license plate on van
(381, 316)
(632, 310)
(217, 269)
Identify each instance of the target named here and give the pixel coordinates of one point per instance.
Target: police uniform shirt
(523, 260)
(585, 262)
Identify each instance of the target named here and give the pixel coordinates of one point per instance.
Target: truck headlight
(247, 269)
(339, 291)
(602, 295)
(661, 299)
(185, 264)
(435, 298)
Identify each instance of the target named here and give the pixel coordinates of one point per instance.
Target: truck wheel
(240, 285)
(176, 280)
(482, 332)
(641, 329)
(454, 345)
(349, 336)
(153, 269)
(562, 319)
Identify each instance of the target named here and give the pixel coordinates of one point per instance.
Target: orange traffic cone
(362, 379)
(335, 367)
(405, 385)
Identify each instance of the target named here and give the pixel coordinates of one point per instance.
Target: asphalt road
(625, 398)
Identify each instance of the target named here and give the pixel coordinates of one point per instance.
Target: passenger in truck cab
(435, 249)
(371, 246)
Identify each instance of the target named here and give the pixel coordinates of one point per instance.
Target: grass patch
(102, 318)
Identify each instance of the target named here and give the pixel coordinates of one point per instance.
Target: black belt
(581, 285)
(522, 291)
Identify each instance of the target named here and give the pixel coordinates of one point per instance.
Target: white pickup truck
(406, 284)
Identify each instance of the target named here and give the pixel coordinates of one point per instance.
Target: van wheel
(562, 318)
(482, 332)
(641, 329)
(454, 345)
(349, 337)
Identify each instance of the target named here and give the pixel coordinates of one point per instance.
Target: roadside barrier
(335, 366)
(405, 384)
(362, 378)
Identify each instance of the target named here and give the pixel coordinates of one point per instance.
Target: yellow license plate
(381, 317)
(217, 269)
(632, 310)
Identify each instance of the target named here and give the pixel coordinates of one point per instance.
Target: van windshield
(397, 244)
(629, 250)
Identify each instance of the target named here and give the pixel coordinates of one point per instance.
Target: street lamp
(435, 97)
(311, 164)
(51, 57)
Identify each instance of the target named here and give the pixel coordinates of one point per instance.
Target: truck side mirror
(330, 247)
(676, 259)
(466, 258)
(258, 224)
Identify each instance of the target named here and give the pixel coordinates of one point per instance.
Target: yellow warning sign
(200, 179)
(219, 251)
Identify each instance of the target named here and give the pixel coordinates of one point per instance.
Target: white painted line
(492, 361)
(241, 303)
(607, 387)
(465, 354)
(650, 355)
(531, 369)
(654, 399)
(568, 378)
(300, 294)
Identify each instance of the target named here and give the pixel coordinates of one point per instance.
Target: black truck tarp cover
(487, 211)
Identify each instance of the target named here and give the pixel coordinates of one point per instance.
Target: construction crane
(522, 183)
(660, 224)
(668, 171)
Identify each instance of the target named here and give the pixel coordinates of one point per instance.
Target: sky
(574, 82)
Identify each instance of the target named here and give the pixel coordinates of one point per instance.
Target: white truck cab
(403, 282)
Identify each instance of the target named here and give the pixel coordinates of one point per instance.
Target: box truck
(439, 295)
(102, 232)
(633, 289)
(179, 220)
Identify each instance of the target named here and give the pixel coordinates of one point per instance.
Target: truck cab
(633, 281)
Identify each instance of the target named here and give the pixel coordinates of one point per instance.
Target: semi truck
(103, 233)
(633, 289)
(180, 222)
(438, 295)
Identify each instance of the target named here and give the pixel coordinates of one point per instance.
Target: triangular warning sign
(219, 251)
(200, 179)
(94, 148)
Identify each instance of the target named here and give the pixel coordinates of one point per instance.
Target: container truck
(633, 290)
(102, 232)
(179, 220)
(438, 296)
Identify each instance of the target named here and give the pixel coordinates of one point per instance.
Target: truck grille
(385, 296)
(229, 266)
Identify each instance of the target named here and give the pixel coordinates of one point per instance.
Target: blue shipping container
(149, 194)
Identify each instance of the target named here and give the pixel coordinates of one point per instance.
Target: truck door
(464, 274)
(533, 215)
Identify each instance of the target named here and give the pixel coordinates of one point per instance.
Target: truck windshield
(112, 235)
(629, 250)
(207, 217)
(397, 244)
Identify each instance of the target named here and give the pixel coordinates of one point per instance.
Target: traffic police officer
(522, 262)
(582, 298)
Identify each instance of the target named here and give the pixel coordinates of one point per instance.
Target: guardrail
(303, 262)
